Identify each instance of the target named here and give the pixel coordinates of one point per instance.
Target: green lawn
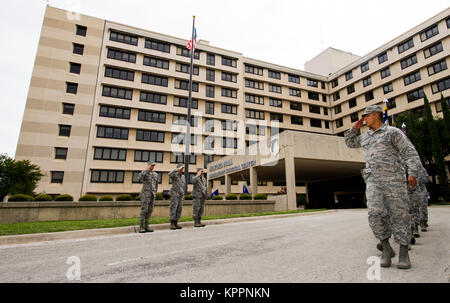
(8, 229)
(443, 203)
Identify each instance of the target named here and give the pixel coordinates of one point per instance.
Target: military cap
(373, 109)
(151, 163)
(199, 169)
(180, 165)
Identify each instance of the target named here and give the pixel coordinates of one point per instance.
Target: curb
(88, 233)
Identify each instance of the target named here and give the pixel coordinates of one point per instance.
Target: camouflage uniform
(423, 207)
(176, 194)
(148, 194)
(386, 183)
(199, 193)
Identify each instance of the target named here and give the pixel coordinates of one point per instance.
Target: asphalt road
(331, 247)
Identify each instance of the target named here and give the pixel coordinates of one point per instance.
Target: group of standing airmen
(395, 184)
(149, 178)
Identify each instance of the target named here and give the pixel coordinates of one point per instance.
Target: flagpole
(188, 119)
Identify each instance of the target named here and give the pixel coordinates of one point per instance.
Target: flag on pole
(393, 122)
(215, 193)
(385, 112)
(245, 190)
(190, 41)
(404, 128)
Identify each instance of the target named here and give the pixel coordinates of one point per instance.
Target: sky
(284, 32)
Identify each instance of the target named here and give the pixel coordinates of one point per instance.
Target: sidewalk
(87, 233)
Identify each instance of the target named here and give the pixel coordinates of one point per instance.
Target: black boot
(416, 231)
(200, 221)
(172, 225)
(403, 258)
(197, 223)
(176, 225)
(142, 227)
(147, 228)
(388, 253)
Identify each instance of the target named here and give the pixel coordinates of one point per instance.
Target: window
(149, 135)
(64, 130)
(68, 108)
(254, 99)
(336, 96)
(440, 85)
(324, 98)
(275, 102)
(179, 158)
(255, 130)
(155, 80)
(208, 159)
(294, 79)
(135, 178)
(338, 109)
(296, 120)
(107, 176)
(314, 109)
(209, 125)
(209, 143)
(229, 142)
(415, 95)
(409, 61)
(228, 61)
(385, 73)
(210, 59)
(118, 73)
(437, 67)
(81, 30)
(313, 83)
(405, 46)
(114, 112)
(182, 51)
(228, 92)
(327, 124)
(433, 50)
(75, 68)
(448, 22)
(210, 75)
(229, 109)
(276, 117)
(350, 89)
(315, 123)
(339, 123)
(210, 91)
(57, 177)
(115, 154)
(354, 117)
(115, 92)
(382, 58)
(112, 132)
(149, 116)
(352, 103)
(254, 84)
(296, 106)
(253, 70)
(123, 38)
(157, 45)
(182, 120)
(334, 83)
(183, 102)
(229, 125)
(439, 104)
(349, 75)
(274, 74)
(325, 111)
(388, 88)
(185, 68)
(391, 104)
(122, 56)
(228, 77)
(295, 92)
(78, 49)
(254, 114)
(368, 96)
(364, 67)
(209, 108)
(322, 84)
(367, 81)
(61, 153)
(153, 98)
(429, 32)
(411, 78)
(275, 88)
(180, 139)
(71, 88)
(160, 63)
(313, 96)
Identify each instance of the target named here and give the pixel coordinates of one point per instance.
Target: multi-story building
(104, 98)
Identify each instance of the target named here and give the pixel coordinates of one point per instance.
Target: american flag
(190, 41)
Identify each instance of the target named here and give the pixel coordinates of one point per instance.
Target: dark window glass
(71, 88)
(429, 32)
(388, 88)
(297, 120)
(78, 49)
(121, 55)
(334, 83)
(337, 109)
(229, 109)
(211, 59)
(112, 132)
(439, 103)
(274, 74)
(385, 73)
(64, 130)
(229, 142)
(354, 117)
(116, 92)
(81, 30)
(296, 106)
(68, 108)
(254, 99)
(295, 92)
(365, 67)
(411, 78)
(367, 81)
(114, 112)
(391, 104)
(313, 96)
(118, 73)
(415, 95)
(185, 68)
(210, 91)
(315, 123)
(440, 86)
(61, 153)
(57, 176)
(254, 70)
(145, 156)
(149, 116)
(294, 79)
(157, 45)
(115, 154)
(153, 98)
(209, 108)
(254, 114)
(75, 68)
(155, 80)
(107, 176)
(210, 75)
(382, 58)
(339, 123)
(228, 92)
(350, 89)
(151, 136)
(183, 102)
(123, 38)
(433, 50)
(229, 77)
(276, 117)
(409, 61)
(348, 75)
(405, 46)
(275, 88)
(369, 96)
(314, 109)
(275, 102)
(311, 82)
(182, 51)
(228, 62)
(437, 67)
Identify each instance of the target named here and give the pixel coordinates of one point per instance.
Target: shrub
(245, 197)
(106, 198)
(188, 197)
(20, 198)
(124, 198)
(43, 197)
(137, 198)
(159, 196)
(88, 198)
(231, 197)
(217, 198)
(260, 197)
(64, 198)
(301, 200)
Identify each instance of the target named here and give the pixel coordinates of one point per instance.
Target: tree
(18, 177)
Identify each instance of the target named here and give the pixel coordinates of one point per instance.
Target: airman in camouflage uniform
(176, 195)
(148, 194)
(384, 147)
(199, 193)
(423, 208)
